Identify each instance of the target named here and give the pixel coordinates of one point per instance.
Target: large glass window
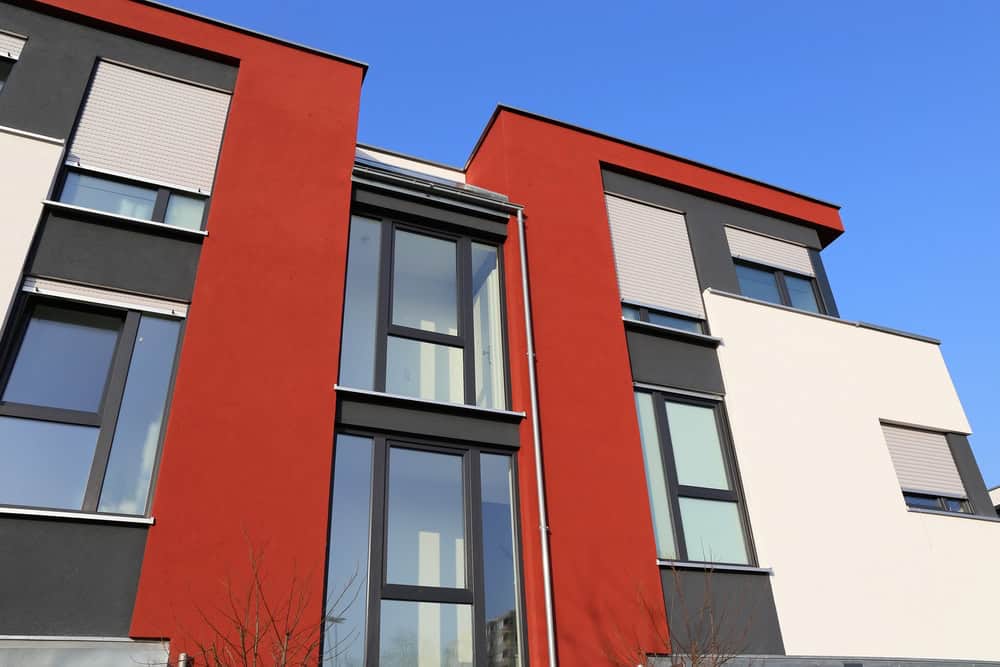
(695, 503)
(83, 401)
(777, 286)
(423, 315)
(430, 530)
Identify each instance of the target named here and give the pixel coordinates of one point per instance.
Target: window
(133, 199)
(423, 315)
(777, 286)
(422, 566)
(660, 318)
(926, 469)
(84, 395)
(690, 476)
(6, 65)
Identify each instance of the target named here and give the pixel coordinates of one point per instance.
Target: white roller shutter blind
(923, 461)
(10, 45)
(653, 257)
(766, 250)
(151, 127)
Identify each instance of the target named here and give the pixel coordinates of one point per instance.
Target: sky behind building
(889, 109)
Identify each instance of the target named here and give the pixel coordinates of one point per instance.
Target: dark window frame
(465, 339)
(644, 312)
(379, 589)
(6, 69)
(940, 501)
(779, 279)
(163, 194)
(105, 418)
(676, 491)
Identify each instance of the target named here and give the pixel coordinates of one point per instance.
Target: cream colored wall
(855, 573)
(31, 163)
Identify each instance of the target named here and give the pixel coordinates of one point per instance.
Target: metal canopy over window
(653, 257)
(923, 461)
(769, 251)
(150, 127)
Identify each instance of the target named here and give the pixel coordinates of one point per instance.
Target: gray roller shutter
(150, 127)
(770, 251)
(653, 257)
(11, 45)
(923, 461)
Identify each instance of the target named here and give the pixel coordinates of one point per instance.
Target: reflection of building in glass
(501, 641)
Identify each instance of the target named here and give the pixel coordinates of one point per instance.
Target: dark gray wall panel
(741, 604)
(707, 219)
(658, 359)
(972, 477)
(825, 291)
(84, 249)
(48, 83)
(63, 577)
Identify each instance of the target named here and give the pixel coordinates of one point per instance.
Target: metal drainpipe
(537, 438)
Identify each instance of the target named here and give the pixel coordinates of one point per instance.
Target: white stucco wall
(30, 165)
(855, 573)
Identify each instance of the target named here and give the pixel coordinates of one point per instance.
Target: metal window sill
(712, 567)
(77, 516)
(957, 515)
(104, 215)
(671, 332)
(400, 399)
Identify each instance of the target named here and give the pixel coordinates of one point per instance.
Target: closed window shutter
(151, 128)
(771, 252)
(653, 257)
(10, 45)
(923, 461)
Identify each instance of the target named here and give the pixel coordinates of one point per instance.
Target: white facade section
(150, 127)
(653, 257)
(410, 164)
(11, 45)
(774, 252)
(855, 572)
(30, 166)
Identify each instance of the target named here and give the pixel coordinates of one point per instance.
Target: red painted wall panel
(248, 448)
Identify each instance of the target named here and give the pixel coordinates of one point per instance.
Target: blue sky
(891, 109)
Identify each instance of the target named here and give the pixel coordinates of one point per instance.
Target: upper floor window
(661, 318)
(10, 50)
(777, 286)
(83, 396)
(6, 65)
(690, 475)
(423, 315)
(774, 270)
(925, 467)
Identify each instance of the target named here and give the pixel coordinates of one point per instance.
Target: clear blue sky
(890, 108)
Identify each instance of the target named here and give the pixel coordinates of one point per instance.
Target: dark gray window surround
(6, 66)
(781, 278)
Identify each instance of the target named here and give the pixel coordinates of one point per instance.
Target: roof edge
(407, 156)
(577, 128)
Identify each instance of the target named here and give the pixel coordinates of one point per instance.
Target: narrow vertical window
(486, 322)
(656, 481)
(357, 356)
(499, 562)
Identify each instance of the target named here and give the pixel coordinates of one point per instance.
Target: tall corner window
(82, 406)
(778, 286)
(6, 65)
(422, 564)
(926, 470)
(690, 474)
(423, 315)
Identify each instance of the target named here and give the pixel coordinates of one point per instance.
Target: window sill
(76, 516)
(104, 215)
(671, 332)
(712, 567)
(399, 399)
(957, 515)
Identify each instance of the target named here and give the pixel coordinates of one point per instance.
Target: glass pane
(140, 420)
(487, 327)
(184, 211)
(694, 436)
(656, 482)
(104, 194)
(712, 531)
(45, 464)
(425, 283)
(630, 312)
(424, 370)
(954, 505)
(357, 347)
(425, 535)
(5, 68)
(499, 563)
(758, 284)
(64, 359)
(683, 323)
(419, 634)
(800, 291)
(927, 502)
(347, 564)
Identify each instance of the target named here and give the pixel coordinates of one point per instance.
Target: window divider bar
(384, 305)
(376, 549)
(42, 413)
(160, 205)
(706, 493)
(409, 593)
(464, 248)
(436, 337)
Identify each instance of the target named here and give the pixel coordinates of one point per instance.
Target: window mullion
(670, 467)
(465, 327)
(376, 554)
(384, 306)
(160, 205)
(779, 278)
(110, 406)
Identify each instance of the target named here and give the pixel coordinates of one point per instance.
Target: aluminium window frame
(676, 491)
(8, 65)
(645, 310)
(378, 588)
(940, 501)
(779, 279)
(105, 419)
(465, 339)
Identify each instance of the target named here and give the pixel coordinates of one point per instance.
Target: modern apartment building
(578, 402)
